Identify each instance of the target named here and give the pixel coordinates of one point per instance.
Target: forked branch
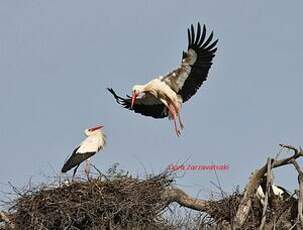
(254, 182)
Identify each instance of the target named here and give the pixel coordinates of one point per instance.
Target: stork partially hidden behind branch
(164, 95)
(94, 142)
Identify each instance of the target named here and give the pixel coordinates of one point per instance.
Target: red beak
(97, 127)
(134, 96)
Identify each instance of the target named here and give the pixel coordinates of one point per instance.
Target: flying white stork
(94, 142)
(163, 96)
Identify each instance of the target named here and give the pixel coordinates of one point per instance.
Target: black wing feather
(198, 34)
(203, 35)
(192, 34)
(75, 159)
(151, 110)
(205, 52)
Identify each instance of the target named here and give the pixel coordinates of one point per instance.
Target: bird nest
(279, 214)
(119, 203)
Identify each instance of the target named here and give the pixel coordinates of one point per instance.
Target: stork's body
(276, 192)
(94, 142)
(160, 90)
(164, 95)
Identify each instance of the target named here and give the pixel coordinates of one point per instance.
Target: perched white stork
(163, 96)
(275, 190)
(94, 142)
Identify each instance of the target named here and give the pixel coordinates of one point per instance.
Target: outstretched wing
(196, 62)
(147, 105)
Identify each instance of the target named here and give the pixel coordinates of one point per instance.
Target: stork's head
(89, 131)
(137, 90)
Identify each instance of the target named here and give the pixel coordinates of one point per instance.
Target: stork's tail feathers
(65, 169)
(69, 164)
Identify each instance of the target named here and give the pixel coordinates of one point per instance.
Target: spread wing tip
(120, 100)
(197, 40)
(205, 47)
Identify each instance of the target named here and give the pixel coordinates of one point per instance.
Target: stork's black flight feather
(205, 51)
(145, 106)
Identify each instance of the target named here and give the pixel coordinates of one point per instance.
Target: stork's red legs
(87, 167)
(180, 122)
(178, 132)
(177, 110)
(173, 112)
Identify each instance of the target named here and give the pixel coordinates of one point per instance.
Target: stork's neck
(103, 138)
(140, 88)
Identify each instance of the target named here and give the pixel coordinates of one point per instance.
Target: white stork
(275, 190)
(163, 96)
(94, 142)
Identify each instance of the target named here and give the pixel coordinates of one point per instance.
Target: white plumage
(277, 191)
(95, 141)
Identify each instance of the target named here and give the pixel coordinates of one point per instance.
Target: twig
(267, 192)
(223, 194)
(100, 173)
(290, 147)
(294, 225)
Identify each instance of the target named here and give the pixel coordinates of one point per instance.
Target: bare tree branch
(290, 147)
(177, 195)
(267, 192)
(300, 193)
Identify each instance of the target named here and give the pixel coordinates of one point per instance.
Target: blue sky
(58, 57)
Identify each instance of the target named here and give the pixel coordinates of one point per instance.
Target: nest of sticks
(119, 203)
(280, 214)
